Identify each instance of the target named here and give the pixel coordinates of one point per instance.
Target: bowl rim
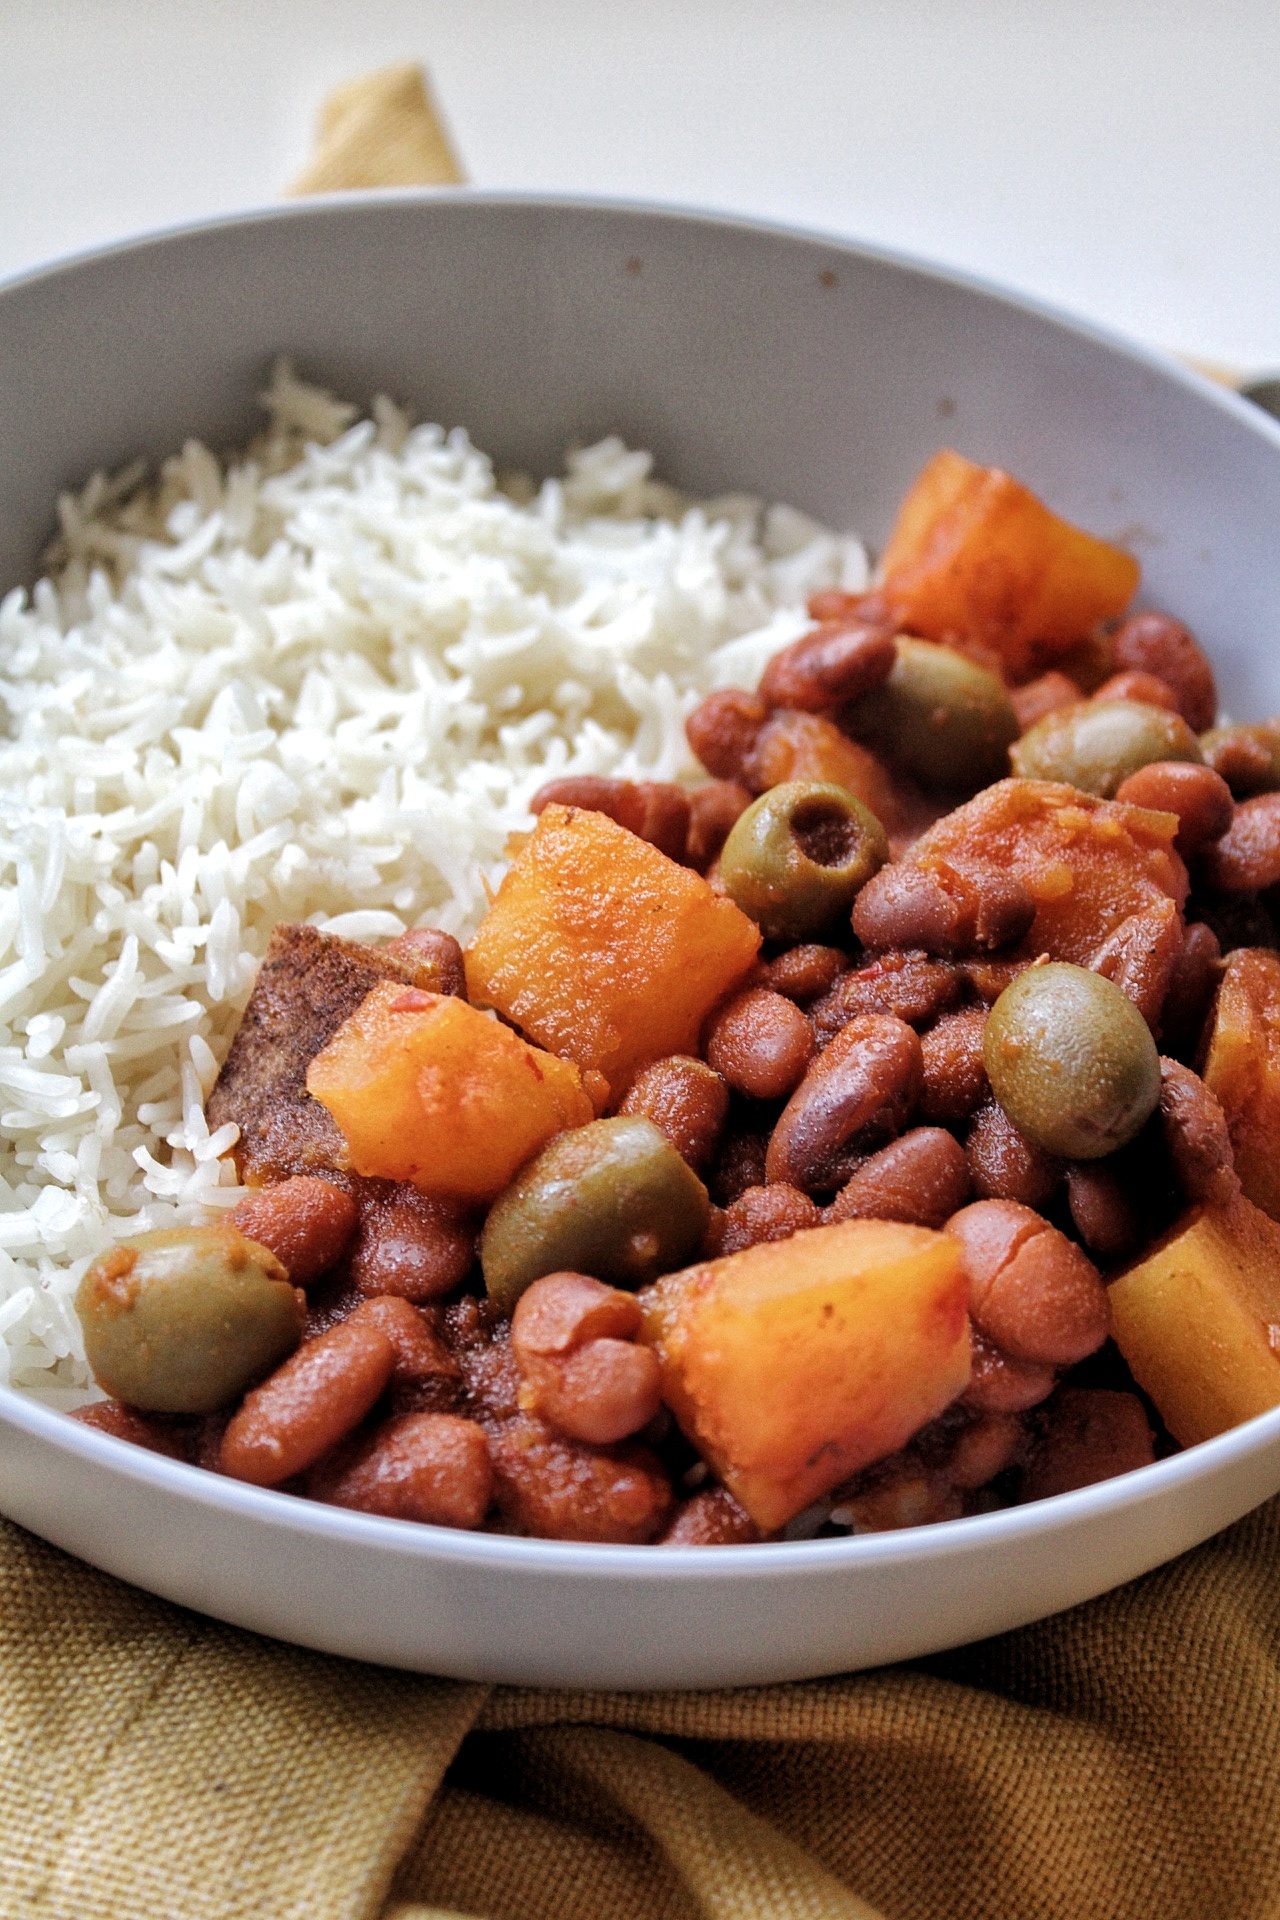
(1055, 1515)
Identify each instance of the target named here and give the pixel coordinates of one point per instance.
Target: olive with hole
(942, 718)
(1097, 745)
(612, 1199)
(186, 1319)
(1071, 1061)
(796, 860)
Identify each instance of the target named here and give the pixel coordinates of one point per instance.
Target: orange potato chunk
(1243, 1068)
(808, 746)
(1198, 1319)
(794, 1364)
(427, 1089)
(975, 556)
(603, 950)
(1088, 864)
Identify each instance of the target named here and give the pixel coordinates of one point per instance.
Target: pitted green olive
(797, 858)
(186, 1319)
(1247, 757)
(1071, 1061)
(1097, 745)
(942, 717)
(613, 1199)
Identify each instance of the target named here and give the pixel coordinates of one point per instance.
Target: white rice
(317, 681)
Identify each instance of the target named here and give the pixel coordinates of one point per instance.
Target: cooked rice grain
(318, 681)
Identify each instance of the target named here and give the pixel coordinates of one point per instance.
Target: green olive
(186, 1319)
(1071, 1061)
(612, 1199)
(797, 858)
(941, 717)
(1098, 744)
(1247, 757)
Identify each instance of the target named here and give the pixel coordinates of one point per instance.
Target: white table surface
(1119, 157)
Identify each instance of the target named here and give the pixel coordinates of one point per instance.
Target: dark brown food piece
(955, 1078)
(722, 730)
(921, 1179)
(305, 1221)
(760, 1043)
(559, 1489)
(1005, 1165)
(1195, 1132)
(685, 1099)
(835, 663)
(436, 952)
(711, 1518)
(949, 912)
(430, 1467)
(142, 1430)
(757, 1216)
(1104, 1210)
(1156, 643)
(1191, 988)
(654, 810)
(909, 986)
(738, 1165)
(1086, 1434)
(410, 1243)
(307, 985)
(713, 810)
(860, 1091)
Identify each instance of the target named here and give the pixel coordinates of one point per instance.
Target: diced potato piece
(1198, 1319)
(808, 746)
(427, 1089)
(794, 1364)
(975, 556)
(603, 950)
(1087, 863)
(1243, 1068)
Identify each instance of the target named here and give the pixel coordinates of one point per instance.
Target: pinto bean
(685, 1099)
(863, 1087)
(947, 911)
(1087, 1434)
(654, 810)
(572, 1339)
(1156, 643)
(1191, 989)
(559, 1489)
(306, 1222)
(1133, 684)
(1139, 957)
(308, 1405)
(909, 986)
(1200, 797)
(757, 1216)
(723, 729)
(955, 1079)
(761, 1043)
(711, 1518)
(1049, 694)
(1005, 1165)
(713, 810)
(1032, 1292)
(412, 1245)
(1195, 1133)
(1000, 1384)
(154, 1433)
(1103, 1210)
(1247, 857)
(922, 1179)
(438, 952)
(834, 663)
(805, 972)
(992, 1444)
(429, 1467)
(419, 1348)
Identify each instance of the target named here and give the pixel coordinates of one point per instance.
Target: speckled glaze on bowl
(749, 358)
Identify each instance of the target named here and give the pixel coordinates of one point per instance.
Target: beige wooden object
(382, 130)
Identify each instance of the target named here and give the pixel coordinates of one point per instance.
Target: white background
(1121, 159)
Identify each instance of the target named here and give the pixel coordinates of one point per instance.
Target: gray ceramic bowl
(747, 357)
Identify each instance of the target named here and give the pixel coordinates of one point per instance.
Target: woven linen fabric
(1119, 1762)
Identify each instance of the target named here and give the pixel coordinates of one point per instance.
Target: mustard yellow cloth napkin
(1121, 1762)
